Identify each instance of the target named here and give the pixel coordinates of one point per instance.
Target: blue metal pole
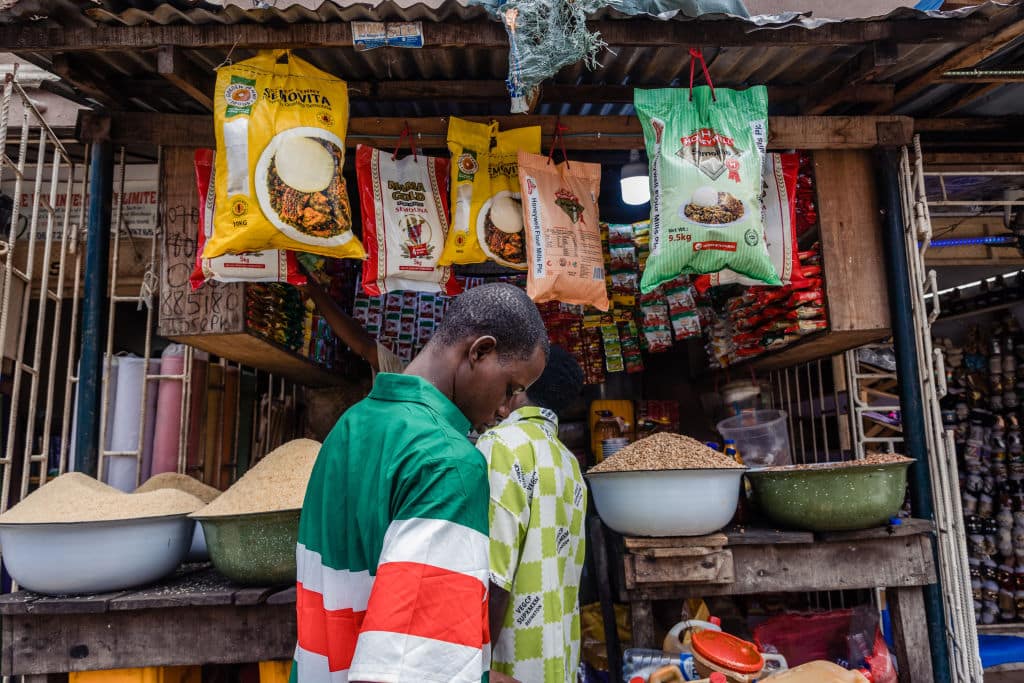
(911, 406)
(97, 282)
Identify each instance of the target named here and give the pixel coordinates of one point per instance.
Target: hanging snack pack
(706, 157)
(404, 205)
(563, 243)
(270, 265)
(487, 215)
(280, 131)
(778, 210)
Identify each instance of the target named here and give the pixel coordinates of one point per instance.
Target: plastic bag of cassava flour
(487, 216)
(280, 127)
(271, 265)
(404, 204)
(706, 157)
(563, 244)
(778, 211)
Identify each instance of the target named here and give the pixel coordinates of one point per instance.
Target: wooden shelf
(1008, 629)
(248, 349)
(811, 347)
(979, 312)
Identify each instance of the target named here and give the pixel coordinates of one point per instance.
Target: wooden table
(196, 617)
(741, 561)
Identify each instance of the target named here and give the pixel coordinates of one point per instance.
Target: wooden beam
(971, 125)
(495, 91)
(84, 83)
(859, 74)
(879, 93)
(982, 77)
(173, 66)
(482, 34)
(585, 132)
(976, 51)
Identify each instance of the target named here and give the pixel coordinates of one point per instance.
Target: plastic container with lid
(761, 436)
(738, 659)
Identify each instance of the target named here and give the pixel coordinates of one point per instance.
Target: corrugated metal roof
(135, 84)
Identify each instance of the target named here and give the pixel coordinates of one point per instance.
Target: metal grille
(37, 286)
(961, 633)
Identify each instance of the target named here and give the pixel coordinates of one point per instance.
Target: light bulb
(636, 190)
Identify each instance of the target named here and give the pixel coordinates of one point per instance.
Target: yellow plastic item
(151, 674)
(819, 672)
(623, 409)
(275, 672)
(595, 652)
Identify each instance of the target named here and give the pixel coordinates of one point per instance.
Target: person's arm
(426, 619)
(509, 518)
(344, 326)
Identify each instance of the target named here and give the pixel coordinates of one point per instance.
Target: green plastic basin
(256, 549)
(830, 498)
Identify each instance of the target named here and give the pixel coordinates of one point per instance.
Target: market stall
(656, 335)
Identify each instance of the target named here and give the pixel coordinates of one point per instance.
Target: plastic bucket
(761, 436)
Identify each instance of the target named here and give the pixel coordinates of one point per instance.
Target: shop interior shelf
(980, 311)
(813, 347)
(1008, 629)
(256, 352)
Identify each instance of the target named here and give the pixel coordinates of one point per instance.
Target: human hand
(498, 677)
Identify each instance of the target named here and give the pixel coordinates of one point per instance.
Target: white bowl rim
(98, 523)
(738, 470)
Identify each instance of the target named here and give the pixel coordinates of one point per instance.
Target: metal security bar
(54, 273)
(874, 407)
(961, 633)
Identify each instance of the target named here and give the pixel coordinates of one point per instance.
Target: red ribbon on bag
(559, 141)
(697, 56)
(406, 134)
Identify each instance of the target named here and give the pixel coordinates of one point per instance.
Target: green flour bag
(706, 157)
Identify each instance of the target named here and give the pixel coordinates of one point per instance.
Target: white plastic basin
(666, 502)
(94, 557)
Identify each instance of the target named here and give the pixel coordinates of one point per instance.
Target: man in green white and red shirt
(393, 547)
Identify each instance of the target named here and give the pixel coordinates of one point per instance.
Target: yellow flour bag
(487, 216)
(280, 126)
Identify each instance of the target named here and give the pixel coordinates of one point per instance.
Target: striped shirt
(392, 552)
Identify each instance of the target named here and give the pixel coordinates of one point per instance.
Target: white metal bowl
(667, 502)
(94, 557)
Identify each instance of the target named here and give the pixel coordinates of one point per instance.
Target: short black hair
(500, 310)
(560, 384)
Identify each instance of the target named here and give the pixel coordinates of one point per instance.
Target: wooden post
(910, 634)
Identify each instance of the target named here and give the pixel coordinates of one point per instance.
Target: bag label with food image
(404, 205)
(706, 159)
(566, 261)
(487, 216)
(280, 129)
(271, 265)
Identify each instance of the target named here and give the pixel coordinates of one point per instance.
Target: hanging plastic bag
(261, 266)
(280, 131)
(778, 210)
(564, 232)
(706, 160)
(487, 217)
(404, 204)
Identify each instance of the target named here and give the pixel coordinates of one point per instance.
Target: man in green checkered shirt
(538, 503)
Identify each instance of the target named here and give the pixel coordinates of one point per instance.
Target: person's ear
(481, 348)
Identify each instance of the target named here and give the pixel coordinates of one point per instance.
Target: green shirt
(538, 502)
(392, 551)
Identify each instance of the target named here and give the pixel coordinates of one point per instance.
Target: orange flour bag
(563, 242)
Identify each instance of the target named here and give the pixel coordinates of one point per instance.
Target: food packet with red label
(260, 266)
(404, 204)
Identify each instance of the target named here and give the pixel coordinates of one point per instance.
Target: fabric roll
(151, 401)
(168, 410)
(121, 471)
(197, 414)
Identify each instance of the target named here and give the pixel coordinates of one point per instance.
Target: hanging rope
(406, 135)
(697, 56)
(559, 141)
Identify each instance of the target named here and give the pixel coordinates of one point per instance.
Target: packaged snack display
(706, 153)
(404, 205)
(563, 246)
(261, 266)
(487, 216)
(280, 129)
(778, 210)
